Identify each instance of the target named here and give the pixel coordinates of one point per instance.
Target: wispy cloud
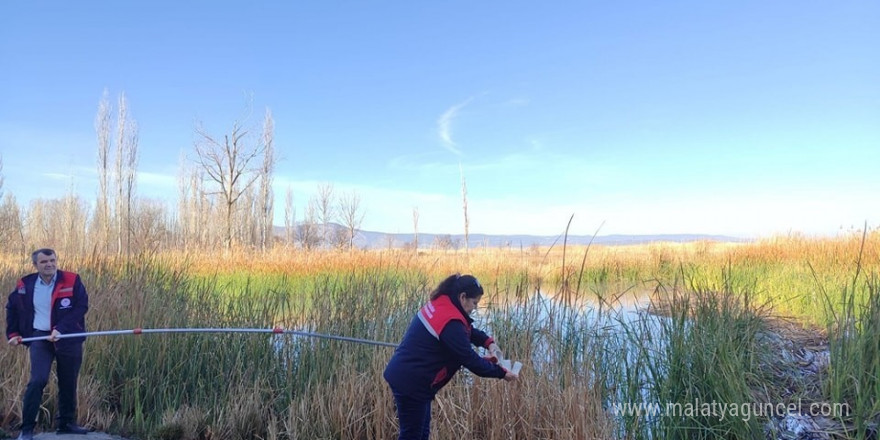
(58, 176)
(444, 126)
(158, 180)
(517, 102)
(424, 162)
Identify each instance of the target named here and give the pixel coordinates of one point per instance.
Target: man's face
(46, 265)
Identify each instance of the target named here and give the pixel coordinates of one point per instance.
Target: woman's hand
(495, 351)
(510, 377)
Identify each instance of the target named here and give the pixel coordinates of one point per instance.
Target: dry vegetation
(212, 386)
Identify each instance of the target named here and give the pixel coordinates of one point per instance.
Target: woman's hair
(456, 284)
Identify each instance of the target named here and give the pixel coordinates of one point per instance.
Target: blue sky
(747, 118)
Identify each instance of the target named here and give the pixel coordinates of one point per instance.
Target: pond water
(554, 325)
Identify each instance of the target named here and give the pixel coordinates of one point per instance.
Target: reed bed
(854, 341)
(698, 347)
(560, 310)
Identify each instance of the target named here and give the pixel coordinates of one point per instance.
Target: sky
(742, 118)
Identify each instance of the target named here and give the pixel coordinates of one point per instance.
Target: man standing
(49, 303)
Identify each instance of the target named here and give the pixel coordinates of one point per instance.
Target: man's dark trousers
(68, 360)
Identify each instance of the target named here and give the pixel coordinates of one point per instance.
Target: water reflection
(602, 343)
(548, 329)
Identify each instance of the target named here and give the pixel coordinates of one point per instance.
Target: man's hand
(54, 336)
(15, 340)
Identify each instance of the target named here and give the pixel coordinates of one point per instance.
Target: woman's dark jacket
(436, 344)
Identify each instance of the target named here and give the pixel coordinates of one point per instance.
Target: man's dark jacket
(70, 302)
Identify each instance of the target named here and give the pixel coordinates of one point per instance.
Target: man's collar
(52, 281)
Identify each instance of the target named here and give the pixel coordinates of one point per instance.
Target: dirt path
(801, 364)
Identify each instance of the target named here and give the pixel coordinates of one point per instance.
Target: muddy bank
(800, 366)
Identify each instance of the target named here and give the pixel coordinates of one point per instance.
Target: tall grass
(699, 347)
(230, 386)
(854, 342)
(556, 314)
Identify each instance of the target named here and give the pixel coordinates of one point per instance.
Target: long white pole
(276, 330)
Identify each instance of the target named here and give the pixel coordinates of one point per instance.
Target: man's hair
(44, 251)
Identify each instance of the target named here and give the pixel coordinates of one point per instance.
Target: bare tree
(37, 226)
(119, 217)
(289, 217)
(324, 209)
(208, 214)
(197, 209)
(390, 241)
(151, 226)
(308, 231)
(126, 174)
(57, 223)
(112, 217)
(226, 162)
(465, 208)
(71, 218)
(352, 214)
(185, 204)
(247, 219)
(12, 232)
(102, 224)
(265, 213)
(339, 239)
(416, 229)
(444, 242)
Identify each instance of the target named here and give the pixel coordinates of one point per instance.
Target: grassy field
(557, 309)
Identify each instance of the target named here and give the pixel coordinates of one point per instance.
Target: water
(597, 341)
(555, 327)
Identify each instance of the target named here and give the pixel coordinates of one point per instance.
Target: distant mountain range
(379, 240)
